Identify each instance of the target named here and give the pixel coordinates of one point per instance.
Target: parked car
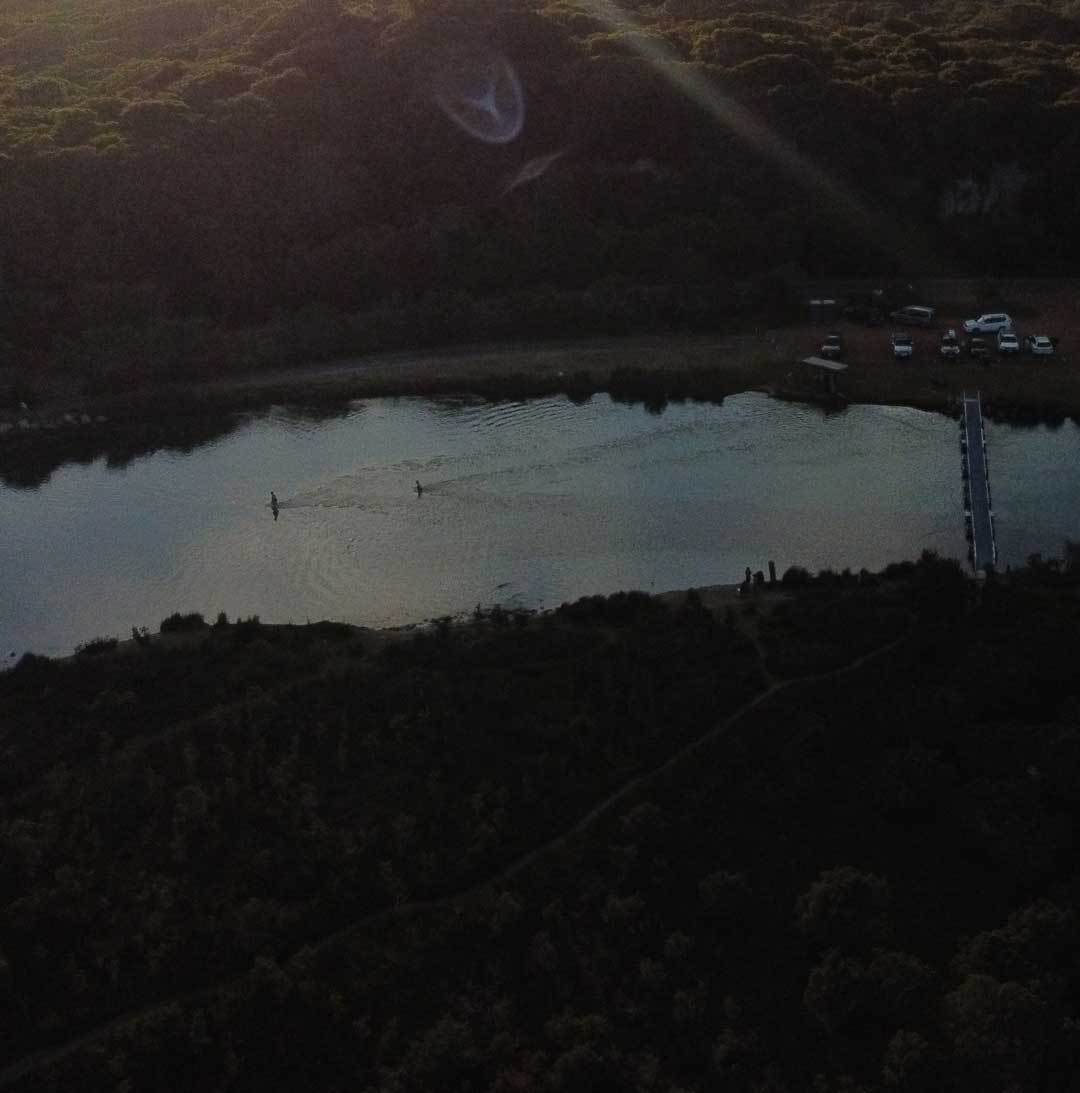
(979, 350)
(913, 313)
(990, 323)
(950, 346)
(902, 346)
(1040, 345)
(1008, 342)
(833, 347)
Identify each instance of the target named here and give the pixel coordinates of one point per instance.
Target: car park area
(1043, 378)
(938, 347)
(936, 336)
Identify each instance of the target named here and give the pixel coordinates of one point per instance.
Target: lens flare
(479, 91)
(532, 170)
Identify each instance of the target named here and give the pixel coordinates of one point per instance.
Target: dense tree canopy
(623, 846)
(164, 164)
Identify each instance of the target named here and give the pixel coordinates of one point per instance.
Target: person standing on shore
(274, 504)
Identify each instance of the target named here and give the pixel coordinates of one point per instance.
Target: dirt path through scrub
(29, 1064)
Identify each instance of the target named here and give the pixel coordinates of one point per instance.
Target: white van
(913, 313)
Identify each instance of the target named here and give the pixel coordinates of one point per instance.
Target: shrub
(248, 629)
(941, 588)
(96, 646)
(580, 387)
(796, 577)
(727, 896)
(337, 631)
(178, 624)
(843, 906)
(30, 662)
(621, 609)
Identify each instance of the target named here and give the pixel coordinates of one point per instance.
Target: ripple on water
(328, 573)
(523, 502)
(518, 414)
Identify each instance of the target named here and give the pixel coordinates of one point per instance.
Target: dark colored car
(950, 347)
(979, 350)
(916, 314)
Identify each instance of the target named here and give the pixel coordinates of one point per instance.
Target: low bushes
(96, 646)
(180, 624)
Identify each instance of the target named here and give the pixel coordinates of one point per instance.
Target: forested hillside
(201, 183)
(823, 839)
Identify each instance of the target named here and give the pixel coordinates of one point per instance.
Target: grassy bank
(182, 418)
(140, 417)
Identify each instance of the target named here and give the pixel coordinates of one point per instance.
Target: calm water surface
(524, 504)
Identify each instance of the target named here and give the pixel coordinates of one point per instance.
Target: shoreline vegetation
(724, 834)
(43, 426)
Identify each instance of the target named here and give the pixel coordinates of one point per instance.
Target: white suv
(990, 323)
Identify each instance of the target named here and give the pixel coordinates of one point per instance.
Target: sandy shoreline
(715, 597)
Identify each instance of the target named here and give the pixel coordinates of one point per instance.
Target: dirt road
(707, 366)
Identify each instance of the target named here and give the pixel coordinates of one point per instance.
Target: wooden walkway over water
(978, 509)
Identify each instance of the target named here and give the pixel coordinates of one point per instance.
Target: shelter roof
(823, 364)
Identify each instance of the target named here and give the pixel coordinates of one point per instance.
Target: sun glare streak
(532, 170)
(731, 114)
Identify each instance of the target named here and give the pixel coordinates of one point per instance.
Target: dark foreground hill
(822, 839)
(200, 185)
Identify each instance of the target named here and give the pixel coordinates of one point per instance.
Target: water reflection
(30, 461)
(402, 510)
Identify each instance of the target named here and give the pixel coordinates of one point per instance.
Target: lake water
(524, 504)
